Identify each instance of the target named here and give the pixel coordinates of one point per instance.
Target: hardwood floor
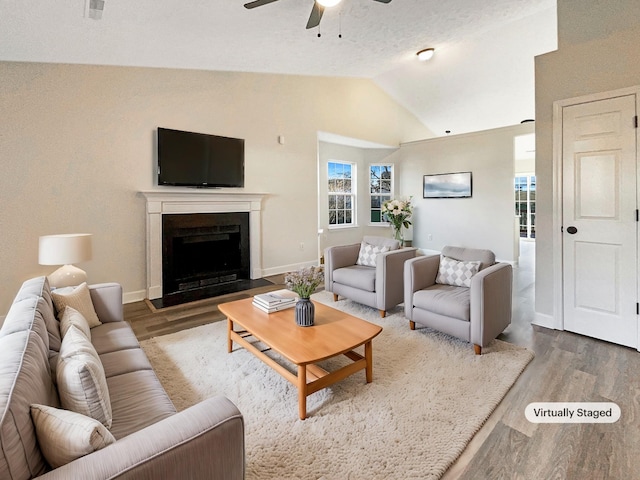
(567, 367)
(148, 321)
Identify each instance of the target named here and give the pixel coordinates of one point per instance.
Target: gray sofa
(153, 441)
(476, 314)
(378, 286)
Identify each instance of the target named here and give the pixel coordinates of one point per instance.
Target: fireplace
(188, 284)
(201, 250)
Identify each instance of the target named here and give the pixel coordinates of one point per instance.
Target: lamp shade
(64, 249)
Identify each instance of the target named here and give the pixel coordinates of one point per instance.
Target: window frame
(352, 194)
(370, 209)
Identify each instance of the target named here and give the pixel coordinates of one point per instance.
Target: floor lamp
(65, 249)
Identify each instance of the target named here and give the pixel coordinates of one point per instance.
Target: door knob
(572, 230)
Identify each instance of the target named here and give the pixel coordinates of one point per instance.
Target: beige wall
(598, 52)
(77, 145)
(487, 219)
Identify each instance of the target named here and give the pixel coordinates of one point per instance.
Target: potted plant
(398, 213)
(304, 282)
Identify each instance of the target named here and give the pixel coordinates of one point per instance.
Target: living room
(78, 147)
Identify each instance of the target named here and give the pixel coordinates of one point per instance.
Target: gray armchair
(476, 314)
(378, 286)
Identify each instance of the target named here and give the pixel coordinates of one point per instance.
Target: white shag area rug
(430, 394)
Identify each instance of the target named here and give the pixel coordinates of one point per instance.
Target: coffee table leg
(302, 391)
(368, 355)
(229, 330)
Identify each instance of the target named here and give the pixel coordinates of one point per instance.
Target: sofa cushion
(38, 286)
(113, 336)
(455, 272)
(24, 379)
(124, 361)
(356, 276)
(64, 436)
(24, 316)
(82, 384)
(138, 401)
(368, 253)
(79, 298)
(444, 300)
(70, 316)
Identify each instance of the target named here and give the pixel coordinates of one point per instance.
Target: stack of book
(275, 301)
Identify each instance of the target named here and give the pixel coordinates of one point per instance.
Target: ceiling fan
(316, 12)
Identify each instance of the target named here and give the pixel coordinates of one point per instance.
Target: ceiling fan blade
(316, 15)
(383, 1)
(258, 3)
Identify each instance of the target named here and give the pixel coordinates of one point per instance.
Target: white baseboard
(130, 297)
(266, 272)
(544, 320)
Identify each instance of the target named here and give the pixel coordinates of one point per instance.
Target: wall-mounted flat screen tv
(447, 185)
(199, 160)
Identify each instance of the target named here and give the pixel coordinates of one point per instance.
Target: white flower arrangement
(398, 212)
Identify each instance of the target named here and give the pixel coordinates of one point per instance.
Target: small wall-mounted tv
(199, 160)
(447, 185)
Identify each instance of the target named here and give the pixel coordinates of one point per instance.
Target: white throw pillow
(64, 436)
(82, 384)
(71, 316)
(79, 298)
(455, 272)
(368, 254)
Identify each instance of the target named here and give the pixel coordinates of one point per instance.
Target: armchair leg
(335, 297)
(383, 313)
(412, 325)
(477, 349)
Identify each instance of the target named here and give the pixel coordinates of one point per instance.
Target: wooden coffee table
(334, 333)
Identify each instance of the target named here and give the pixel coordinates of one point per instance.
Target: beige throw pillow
(64, 436)
(82, 384)
(79, 298)
(71, 316)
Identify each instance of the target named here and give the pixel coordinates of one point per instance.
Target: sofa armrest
(205, 441)
(389, 274)
(107, 301)
(491, 298)
(338, 257)
(419, 273)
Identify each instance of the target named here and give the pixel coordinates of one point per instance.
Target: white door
(600, 265)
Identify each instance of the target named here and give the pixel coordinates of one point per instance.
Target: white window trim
(393, 179)
(354, 195)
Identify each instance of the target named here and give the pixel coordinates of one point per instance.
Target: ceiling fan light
(426, 54)
(328, 3)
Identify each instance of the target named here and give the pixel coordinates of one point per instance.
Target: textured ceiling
(378, 41)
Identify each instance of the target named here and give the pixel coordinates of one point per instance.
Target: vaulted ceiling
(481, 76)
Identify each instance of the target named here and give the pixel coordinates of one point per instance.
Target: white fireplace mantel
(198, 201)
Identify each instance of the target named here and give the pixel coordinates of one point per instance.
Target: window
(342, 197)
(525, 190)
(380, 190)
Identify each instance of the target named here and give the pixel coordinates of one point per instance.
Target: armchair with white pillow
(369, 272)
(463, 293)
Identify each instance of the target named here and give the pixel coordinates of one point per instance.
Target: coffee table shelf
(334, 333)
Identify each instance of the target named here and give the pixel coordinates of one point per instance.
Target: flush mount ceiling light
(328, 3)
(426, 54)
